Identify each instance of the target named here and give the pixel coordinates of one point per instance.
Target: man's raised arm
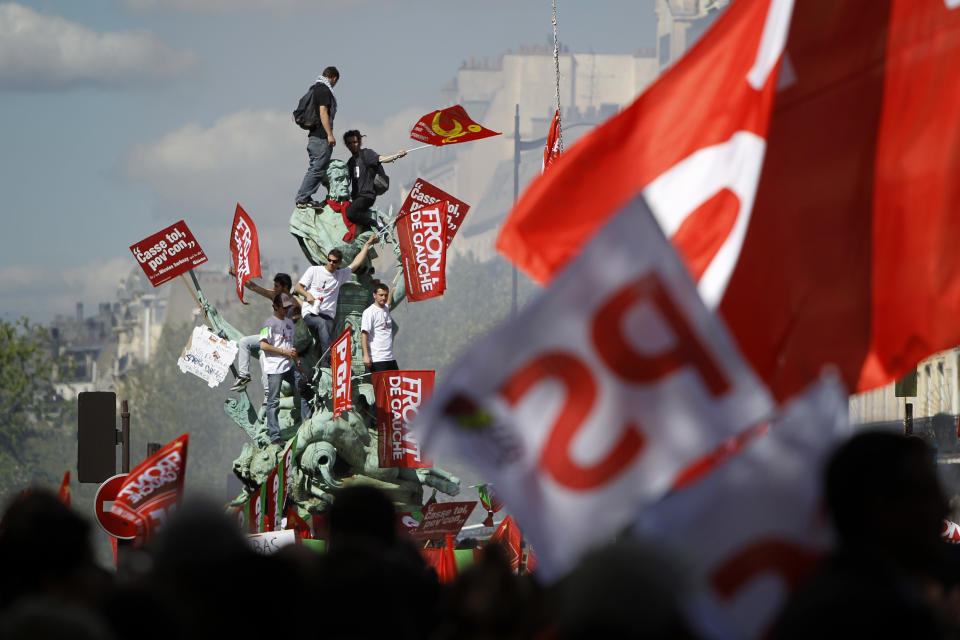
(362, 254)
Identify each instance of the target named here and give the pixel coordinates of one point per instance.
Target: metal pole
(125, 436)
(907, 418)
(516, 192)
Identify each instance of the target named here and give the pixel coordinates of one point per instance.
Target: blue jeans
(319, 153)
(248, 346)
(322, 329)
(274, 380)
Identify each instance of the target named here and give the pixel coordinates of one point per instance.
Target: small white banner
(207, 356)
(271, 541)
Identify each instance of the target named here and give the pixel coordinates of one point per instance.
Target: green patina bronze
(331, 453)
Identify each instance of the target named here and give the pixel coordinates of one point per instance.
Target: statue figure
(331, 453)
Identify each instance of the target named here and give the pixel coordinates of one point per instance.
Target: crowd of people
(890, 575)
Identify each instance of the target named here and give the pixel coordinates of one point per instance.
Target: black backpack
(306, 114)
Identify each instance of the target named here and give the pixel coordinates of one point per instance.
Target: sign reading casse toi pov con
(168, 253)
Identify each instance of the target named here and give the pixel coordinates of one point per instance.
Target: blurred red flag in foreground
(153, 489)
(812, 194)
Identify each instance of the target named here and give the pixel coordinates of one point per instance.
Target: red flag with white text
(244, 249)
(551, 150)
(153, 489)
(340, 365)
(449, 126)
(508, 534)
(421, 235)
(814, 199)
(399, 395)
(424, 194)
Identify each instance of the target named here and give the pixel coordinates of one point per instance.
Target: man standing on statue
(320, 140)
(320, 286)
(364, 165)
(376, 332)
(280, 363)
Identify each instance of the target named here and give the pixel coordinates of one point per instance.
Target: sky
(120, 117)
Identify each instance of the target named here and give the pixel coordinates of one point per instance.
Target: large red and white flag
(151, 492)
(754, 529)
(422, 235)
(591, 401)
(811, 193)
(244, 249)
(341, 357)
(399, 396)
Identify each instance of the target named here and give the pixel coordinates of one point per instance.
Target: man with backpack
(315, 113)
(367, 178)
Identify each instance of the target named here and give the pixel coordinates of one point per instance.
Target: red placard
(449, 126)
(422, 238)
(441, 518)
(153, 488)
(424, 194)
(168, 253)
(399, 395)
(244, 249)
(271, 512)
(340, 363)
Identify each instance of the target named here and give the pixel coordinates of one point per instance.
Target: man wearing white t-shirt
(280, 363)
(321, 287)
(376, 332)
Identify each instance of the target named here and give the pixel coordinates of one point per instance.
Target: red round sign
(110, 523)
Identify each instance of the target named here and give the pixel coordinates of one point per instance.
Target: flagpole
(423, 146)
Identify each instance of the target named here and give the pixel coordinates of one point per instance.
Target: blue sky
(120, 117)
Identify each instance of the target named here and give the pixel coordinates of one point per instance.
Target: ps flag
(449, 126)
(341, 357)
(244, 249)
(152, 490)
(580, 414)
(803, 161)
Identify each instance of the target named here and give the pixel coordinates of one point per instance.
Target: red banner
(423, 248)
(551, 150)
(441, 518)
(153, 488)
(425, 194)
(340, 364)
(168, 253)
(449, 126)
(272, 504)
(244, 249)
(399, 395)
(255, 512)
(508, 534)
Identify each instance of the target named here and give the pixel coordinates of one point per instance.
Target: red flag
(298, 524)
(340, 365)
(848, 255)
(551, 150)
(273, 509)
(153, 488)
(508, 534)
(421, 235)
(64, 493)
(244, 249)
(449, 126)
(399, 395)
(443, 560)
(424, 194)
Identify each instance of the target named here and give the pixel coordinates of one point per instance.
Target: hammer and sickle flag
(449, 126)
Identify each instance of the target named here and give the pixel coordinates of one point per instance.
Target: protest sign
(340, 365)
(449, 126)
(441, 518)
(422, 238)
(424, 194)
(589, 403)
(270, 542)
(168, 253)
(399, 395)
(207, 356)
(244, 249)
(152, 490)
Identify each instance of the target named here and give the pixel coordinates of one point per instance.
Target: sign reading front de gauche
(168, 253)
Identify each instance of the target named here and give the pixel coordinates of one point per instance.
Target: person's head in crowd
(353, 139)
(46, 619)
(282, 283)
(45, 550)
(334, 260)
(331, 74)
(362, 513)
(882, 492)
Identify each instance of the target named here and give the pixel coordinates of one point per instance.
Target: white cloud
(62, 288)
(256, 158)
(43, 51)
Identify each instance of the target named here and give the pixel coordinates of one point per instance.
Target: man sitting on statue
(280, 363)
(320, 286)
(364, 165)
(376, 332)
(248, 345)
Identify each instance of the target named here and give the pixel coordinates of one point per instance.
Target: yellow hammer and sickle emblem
(454, 133)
